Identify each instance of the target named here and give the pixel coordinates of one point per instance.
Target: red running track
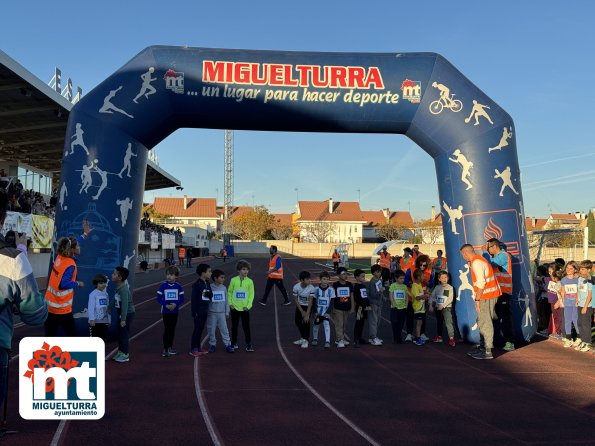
(282, 394)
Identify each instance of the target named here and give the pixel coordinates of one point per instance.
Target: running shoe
(235, 347)
(437, 339)
(314, 342)
(419, 341)
(165, 353)
(424, 337)
(341, 344)
(229, 349)
(452, 342)
(568, 343)
(409, 338)
(483, 355)
(327, 345)
(124, 358)
(577, 342)
(287, 302)
(300, 341)
(475, 350)
(212, 349)
(249, 348)
(262, 302)
(375, 341)
(304, 344)
(509, 347)
(172, 351)
(584, 347)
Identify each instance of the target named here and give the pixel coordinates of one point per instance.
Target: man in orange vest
(336, 258)
(502, 265)
(486, 293)
(275, 277)
(384, 262)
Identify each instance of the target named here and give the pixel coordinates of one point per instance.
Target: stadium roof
(33, 120)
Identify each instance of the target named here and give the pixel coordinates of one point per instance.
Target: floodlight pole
(227, 183)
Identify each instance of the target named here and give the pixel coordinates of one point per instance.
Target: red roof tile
(196, 207)
(564, 217)
(377, 218)
(537, 226)
(318, 211)
(284, 219)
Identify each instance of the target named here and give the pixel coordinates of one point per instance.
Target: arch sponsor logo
(61, 378)
(411, 91)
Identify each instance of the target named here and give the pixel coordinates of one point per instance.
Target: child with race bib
(218, 313)
(324, 300)
(241, 296)
(569, 294)
(171, 297)
(398, 305)
(303, 295)
(441, 303)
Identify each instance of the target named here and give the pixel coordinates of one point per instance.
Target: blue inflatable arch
(421, 95)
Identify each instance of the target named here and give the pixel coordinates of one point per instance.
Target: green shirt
(240, 293)
(123, 301)
(398, 296)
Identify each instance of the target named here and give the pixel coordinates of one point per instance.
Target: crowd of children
(565, 302)
(564, 299)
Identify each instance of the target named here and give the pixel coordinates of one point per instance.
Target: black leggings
(303, 327)
(269, 287)
(55, 321)
(169, 329)
(236, 316)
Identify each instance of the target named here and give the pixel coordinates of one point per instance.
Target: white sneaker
(375, 341)
(341, 344)
(568, 343)
(577, 342)
(299, 341)
(585, 347)
(409, 338)
(305, 344)
(424, 337)
(580, 346)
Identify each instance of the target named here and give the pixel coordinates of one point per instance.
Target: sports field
(285, 395)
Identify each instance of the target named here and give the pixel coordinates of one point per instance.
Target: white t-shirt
(303, 294)
(97, 309)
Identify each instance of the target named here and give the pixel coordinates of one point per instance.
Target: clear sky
(534, 58)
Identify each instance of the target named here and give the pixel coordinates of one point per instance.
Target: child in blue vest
(171, 297)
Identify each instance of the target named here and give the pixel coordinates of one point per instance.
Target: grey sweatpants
(374, 318)
(215, 320)
(487, 311)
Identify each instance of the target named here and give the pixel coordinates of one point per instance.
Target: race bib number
(440, 300)
(323, 301)
(570, 289)
(118, 300)
(103, 302)
(553, 287)
(378, 286)
(218, 296)
(240, 295)
(584, 287)
(399, 295)
(363, 293)
(343, 294)
(171, 295)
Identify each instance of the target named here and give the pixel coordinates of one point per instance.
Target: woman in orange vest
(336, 258)
(60, 290)
(487, 291)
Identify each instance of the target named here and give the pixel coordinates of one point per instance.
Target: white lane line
(63, 423)
(203, 405)
(346, 420)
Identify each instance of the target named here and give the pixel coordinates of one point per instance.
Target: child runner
(98, 308)
(585, 312)
(170, 296)
(441, 303)
(125, 307)
(241, 297)
(303, 294)
(362, 307)
(342, 306)
(324, 296)
(398, 305)
(375, 296)
(201, 297)
(554, 297)
(218, 313)
(569, 298)
(419, 295)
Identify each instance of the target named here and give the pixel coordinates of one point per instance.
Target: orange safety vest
(491, 289)
(442, 265)
(336, 257)
(384, 260)
(272, 263)
(505, 278)
(408, 265)
(182, 253)
(60, 301)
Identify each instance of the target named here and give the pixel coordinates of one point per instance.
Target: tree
(282, 232)
(428, 231)
(150, 211)
(391, 231)
(254, 224)
(591, 226)
(317, 231)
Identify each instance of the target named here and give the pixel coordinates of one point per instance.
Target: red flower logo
(48, 357)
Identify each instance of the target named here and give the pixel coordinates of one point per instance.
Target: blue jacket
(201, 297)
(170, 293)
